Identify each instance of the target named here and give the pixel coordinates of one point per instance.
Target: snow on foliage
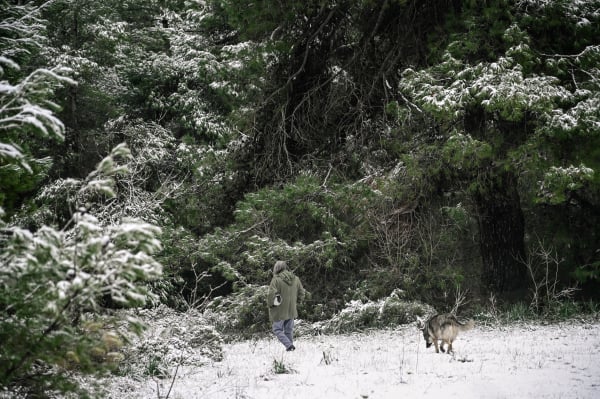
(87, 260)
(360, 315)
(563, 106)
(243, 312)
(559, 182)
(579, 11)
(499, 86)
(200, 78)
(24, 103)
(51, 278)
(583, 119)
(171, 339)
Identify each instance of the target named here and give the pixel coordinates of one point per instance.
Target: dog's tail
(466, 326)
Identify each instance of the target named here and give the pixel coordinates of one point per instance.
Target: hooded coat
(288, 285)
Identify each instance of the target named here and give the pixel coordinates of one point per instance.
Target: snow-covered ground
(517, 361)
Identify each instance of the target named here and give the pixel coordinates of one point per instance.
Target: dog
(444, 328)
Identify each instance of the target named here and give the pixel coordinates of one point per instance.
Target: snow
(522, 360)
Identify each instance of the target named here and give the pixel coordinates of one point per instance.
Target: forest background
(441, 152)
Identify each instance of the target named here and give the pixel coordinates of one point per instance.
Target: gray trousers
(284, 331)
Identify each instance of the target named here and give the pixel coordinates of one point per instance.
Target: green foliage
(17, 182)
(390, 311)
(259, 19)
(279, 367)
(559, 183)
(170, 184)
(463, 152)
(514, 103)
(52, 278)
(418, 242)
(188, 83)
(585, 273)
(500, 88)
(519, 311)
(479, 29)
(557, 311)
(208, 191)
(27, 111)
(243, 312)
(304, 209)
(318, 229)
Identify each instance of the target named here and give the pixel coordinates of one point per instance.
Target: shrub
(279, 367)
(172, 339)
(51, 279)
(242, 312)
(360, 315)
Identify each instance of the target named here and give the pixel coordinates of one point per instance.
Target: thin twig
(173, 380)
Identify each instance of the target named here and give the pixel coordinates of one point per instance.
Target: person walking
(284, 292)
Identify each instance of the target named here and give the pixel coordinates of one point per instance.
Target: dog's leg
(437, 350)
(442, 346)
(450, 350)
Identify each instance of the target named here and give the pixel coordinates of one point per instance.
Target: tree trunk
(501, 234)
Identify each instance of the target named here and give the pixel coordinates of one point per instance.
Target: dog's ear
(420, 323)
